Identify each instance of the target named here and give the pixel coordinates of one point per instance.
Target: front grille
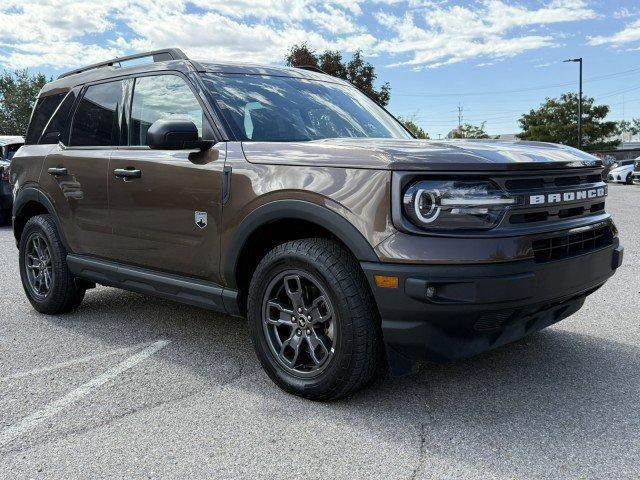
(532, 216)
(565, 246)
(535, 183)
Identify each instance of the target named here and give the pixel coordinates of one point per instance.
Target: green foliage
(633, 127)
(411, 125)
(357, 71)
(302, 56)
(18, 92)
(557, 121)
(466, 130)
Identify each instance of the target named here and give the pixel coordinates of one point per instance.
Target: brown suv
(288, 197)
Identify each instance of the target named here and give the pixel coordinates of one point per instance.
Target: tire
(63, 294)
(353, 327)
(629, 179)
(5, 217)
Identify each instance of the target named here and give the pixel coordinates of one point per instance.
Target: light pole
(579, 60)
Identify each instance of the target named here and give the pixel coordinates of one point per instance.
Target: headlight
(455, 204)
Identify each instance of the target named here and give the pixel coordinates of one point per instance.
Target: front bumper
(473, 308)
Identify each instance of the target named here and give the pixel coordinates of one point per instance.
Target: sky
(490, 59)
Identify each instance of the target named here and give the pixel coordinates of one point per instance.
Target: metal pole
(580, 108)
(579, 60)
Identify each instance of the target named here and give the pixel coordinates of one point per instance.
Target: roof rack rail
(312, 68)
(157, 55)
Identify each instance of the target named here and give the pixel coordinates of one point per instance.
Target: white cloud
(442, 35)
(624, 13)
(331, 15)
(63, 33)
(50, 32)
(631, 33)
(427, 33)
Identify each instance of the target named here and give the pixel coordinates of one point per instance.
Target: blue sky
(496, 59)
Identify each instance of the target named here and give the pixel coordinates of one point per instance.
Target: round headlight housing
(455, 204)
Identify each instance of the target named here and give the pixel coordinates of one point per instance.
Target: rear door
(168, 217)
(75, 173)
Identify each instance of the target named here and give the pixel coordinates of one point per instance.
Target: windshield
(284, 109)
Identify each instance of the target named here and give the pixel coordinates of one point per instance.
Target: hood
(623, 168)
(11, 140)
(410, 154)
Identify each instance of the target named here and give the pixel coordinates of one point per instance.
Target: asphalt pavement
(131, 386)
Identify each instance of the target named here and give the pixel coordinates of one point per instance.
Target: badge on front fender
(201, 219)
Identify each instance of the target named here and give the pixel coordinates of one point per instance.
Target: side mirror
(175, 135)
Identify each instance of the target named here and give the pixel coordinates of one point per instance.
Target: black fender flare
(297, 210)
(33, 194)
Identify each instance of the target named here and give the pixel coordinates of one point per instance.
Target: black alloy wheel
(299, 323)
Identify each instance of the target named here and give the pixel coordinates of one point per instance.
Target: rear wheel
(46, 279)
(313, 322)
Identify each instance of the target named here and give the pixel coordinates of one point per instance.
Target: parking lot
(136, 387)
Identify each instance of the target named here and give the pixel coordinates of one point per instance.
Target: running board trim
(186, 290)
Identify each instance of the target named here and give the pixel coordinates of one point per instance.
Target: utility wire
(520, 90)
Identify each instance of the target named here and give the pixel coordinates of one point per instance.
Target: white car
(622, 172)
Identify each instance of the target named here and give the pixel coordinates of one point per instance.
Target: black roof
(168, 59)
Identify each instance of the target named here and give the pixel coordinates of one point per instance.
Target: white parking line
(68, 363)
(31, 421)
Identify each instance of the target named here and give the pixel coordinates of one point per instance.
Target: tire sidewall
(42, 225)
(333, 373)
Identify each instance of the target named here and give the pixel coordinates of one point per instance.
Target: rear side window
(57, 127)
(45, 106)
(95, 123)
(165, 97)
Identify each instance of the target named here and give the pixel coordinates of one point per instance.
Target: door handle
(127, 173)
(57, 171)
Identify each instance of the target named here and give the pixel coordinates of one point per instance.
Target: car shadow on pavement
(559, 399)
(556, 398)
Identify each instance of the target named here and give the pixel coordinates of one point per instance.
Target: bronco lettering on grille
(571, 196)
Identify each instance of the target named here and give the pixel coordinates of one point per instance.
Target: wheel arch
(29, 202)
(280, 221)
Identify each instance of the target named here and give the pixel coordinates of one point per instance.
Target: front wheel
(313, 322)
(629, 179)
(46, 279)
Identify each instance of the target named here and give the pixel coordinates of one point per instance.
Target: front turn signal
(384, 281)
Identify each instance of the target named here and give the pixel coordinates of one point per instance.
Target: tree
(466, 130)
(301, 56)
(360, 73)
(411, 125)
(331, 62)
(18, 92)
(632, 127)
(557, 121)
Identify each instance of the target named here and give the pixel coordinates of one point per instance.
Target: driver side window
(162, 97)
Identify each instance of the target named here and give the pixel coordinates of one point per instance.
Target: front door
(166, 214)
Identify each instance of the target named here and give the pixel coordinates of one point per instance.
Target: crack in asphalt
(421, 462)
(422, 456)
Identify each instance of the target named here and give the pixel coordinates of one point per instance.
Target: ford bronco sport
(287, 196)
